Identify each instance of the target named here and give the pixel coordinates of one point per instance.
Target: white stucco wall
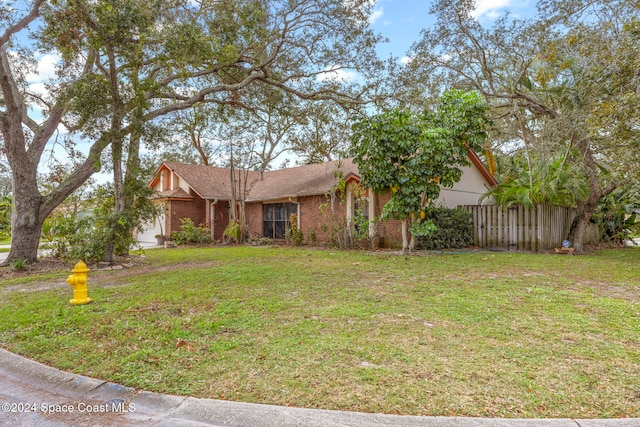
(183, 184)
(467, 191)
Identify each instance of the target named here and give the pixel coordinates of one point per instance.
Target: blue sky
(402, 20)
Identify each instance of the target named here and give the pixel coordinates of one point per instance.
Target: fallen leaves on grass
(180, 343)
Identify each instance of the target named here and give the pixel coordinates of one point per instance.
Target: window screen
(276, 219)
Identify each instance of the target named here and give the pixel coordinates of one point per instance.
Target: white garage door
(151, 230)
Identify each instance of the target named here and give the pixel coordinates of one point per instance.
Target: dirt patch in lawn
(43, 266)
(626, 291)
(106, 276)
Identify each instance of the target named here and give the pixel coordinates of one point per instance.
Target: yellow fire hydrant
(79, 282)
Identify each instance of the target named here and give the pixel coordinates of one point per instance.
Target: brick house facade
(203, 193)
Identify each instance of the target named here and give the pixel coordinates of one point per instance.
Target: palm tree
(554, 182)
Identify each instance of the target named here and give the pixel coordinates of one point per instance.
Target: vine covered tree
(414, 154)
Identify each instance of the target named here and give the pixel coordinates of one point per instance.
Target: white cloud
(337, 74)
(62, 129)
(376, 15)
(45, 70)
(38, 88)
(406, 60)
(493, 8)
(365, 7)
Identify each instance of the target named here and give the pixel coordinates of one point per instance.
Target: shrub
(616, 216)
(233, 231)
(88, 227)
(454, 228)
(18, 265)
(293, 233)
(75, 237)
(313, 237)
(190, 233)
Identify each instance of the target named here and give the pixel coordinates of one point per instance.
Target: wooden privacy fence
(519, 228)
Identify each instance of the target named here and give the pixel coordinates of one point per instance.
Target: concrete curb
(23, 381)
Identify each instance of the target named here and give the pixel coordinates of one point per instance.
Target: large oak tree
(125, 64)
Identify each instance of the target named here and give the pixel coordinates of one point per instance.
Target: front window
(358, 211)
(361, 215)
(276, 219)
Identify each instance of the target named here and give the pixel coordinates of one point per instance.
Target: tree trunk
(31, 208)
(583, 217)
(576, 236)
(243, 205)
(25, 236)
(116, 158)
(405, 234)
(412, 242)
(232, 203)
(596, 193)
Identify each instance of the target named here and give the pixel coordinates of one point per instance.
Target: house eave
(279, 199)
(475, 160)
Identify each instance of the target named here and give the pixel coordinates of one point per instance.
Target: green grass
(477, 334)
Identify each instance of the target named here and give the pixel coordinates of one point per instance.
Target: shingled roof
(211, 182)
(305, 180)
(178, 193)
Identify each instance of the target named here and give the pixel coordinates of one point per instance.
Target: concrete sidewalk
(4, 255)
(32, 394)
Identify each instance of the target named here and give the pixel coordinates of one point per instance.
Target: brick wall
(311, 217)
(220, 220)
(253, 213)
(391, 230)
(177, 209)
(317, 217)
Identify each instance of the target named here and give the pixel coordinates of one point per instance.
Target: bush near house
(454, 228)
(190, 233)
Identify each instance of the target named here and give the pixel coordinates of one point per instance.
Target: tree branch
(43, 132)
(21, 24)
(78, 177)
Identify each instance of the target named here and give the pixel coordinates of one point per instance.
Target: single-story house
(203, 193)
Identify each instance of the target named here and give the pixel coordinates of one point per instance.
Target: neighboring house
(203, 193)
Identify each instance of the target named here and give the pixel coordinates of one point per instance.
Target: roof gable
(209, 182)
(475, 160)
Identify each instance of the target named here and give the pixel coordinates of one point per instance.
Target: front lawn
(474, 334)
